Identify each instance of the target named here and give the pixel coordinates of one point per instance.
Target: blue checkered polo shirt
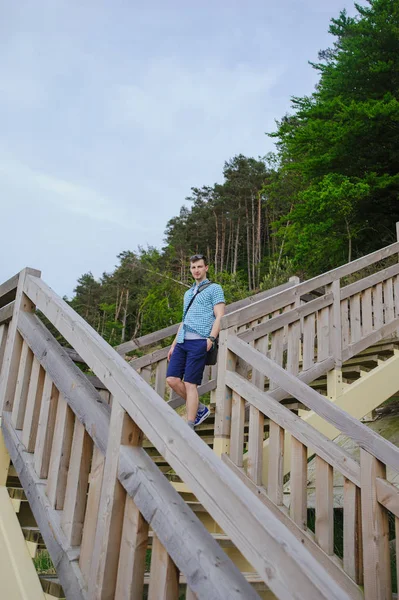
(200, 317)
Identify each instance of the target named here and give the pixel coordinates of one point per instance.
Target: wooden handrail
(281, 299)
(8, 289)
(367, 439)
(259, 536)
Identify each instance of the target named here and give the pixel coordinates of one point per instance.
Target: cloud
(66, 195)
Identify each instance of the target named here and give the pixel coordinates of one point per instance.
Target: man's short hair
(196, 257)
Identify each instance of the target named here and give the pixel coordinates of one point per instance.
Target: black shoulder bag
(212, 354)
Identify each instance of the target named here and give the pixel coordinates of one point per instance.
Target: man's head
(198, 267)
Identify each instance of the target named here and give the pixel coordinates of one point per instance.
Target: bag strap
(201, 288)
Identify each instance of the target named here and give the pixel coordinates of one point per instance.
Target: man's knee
(173, 382)
(190, 386)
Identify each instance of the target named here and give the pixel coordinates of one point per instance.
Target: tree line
(328, 194)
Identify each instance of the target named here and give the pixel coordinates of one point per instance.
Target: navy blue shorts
(188, 361)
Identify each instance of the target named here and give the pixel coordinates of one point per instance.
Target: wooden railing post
(376, 559)
(334, 377)
(223, 396)
(13, 349)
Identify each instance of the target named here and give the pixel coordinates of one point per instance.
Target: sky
(110, 111)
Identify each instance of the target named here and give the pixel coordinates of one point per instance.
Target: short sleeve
(217, 294)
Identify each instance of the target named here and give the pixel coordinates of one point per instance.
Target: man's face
(198, 270)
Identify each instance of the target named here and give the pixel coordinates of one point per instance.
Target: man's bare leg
(191, 401)
(177, 386)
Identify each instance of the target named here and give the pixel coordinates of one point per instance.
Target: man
(196, 335)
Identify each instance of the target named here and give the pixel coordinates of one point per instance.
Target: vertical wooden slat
(22, 386)
(92, 507)
(367, 322)
(397, 549)
(45, 429)
(353, 550)
(12, 354)
(376, 558)
(324, 506)
(345, 323)
(277, 350)
(388, 301)
(378, 307)
(294, 332)
(131, 568)
(160, 377)
(276, 463)
(298, 481)
(60, 454)
(77, 484)
(335, 323)
(33, 405)
(145, 373)
(3, 341)
(190, 594)
(105, 558)
(356, 331)
(308, 341)
(255, 445)
(323, 333)
(237, 429)
(164, 575)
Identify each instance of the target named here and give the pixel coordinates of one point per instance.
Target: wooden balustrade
(95, 492)
(367, 494)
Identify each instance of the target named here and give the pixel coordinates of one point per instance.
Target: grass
(43, 563)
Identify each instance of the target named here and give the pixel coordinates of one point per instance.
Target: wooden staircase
(91, 451)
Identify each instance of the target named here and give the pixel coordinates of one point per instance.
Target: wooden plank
(33, 405)
(6, 313)
(9, 370)
(388, 301)
(323, 334)
(355, 325)
(353, 550)
(397, 547)
(275, 480)
(378, 307)
(160, 377)
(190, 594)
(145, 373)
(336, 325)
(3, 341)
(276, 351)
(344, 422)
(76, 486)
(255, 445)
(294, 334)
(22, 386)
(150, 358)
(324, 506)
(367, 320)
(309, 341)
(46, 518)
(282, 320)
(131, 568)
(164, 575)
(193, 461)
(60, 454)
(8, 290)
(369, 282)
(93, 504)
(388, 495)
(104, 567)
(345, 323)
(298, 481)
(237, 429)
(45, 429)
(376, 559)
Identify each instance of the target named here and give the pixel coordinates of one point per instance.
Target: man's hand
(209, 344)
(170, 352)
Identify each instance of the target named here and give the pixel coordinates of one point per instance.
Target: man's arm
(218, 311)
(173, 346)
